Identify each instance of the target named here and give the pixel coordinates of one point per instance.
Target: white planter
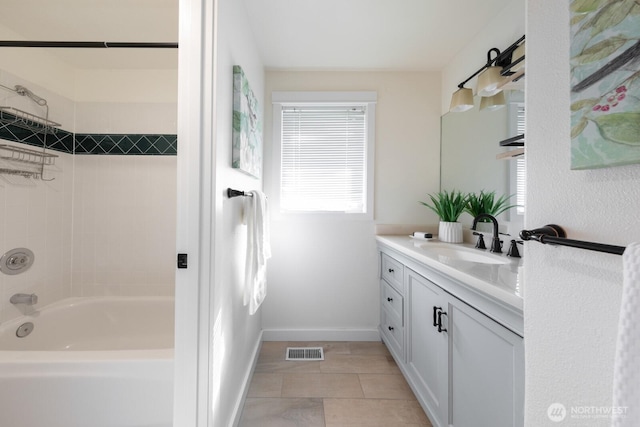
(450, 232)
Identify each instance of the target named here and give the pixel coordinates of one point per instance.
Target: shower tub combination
(99, 361)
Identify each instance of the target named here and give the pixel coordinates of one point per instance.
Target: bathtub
(89, 362)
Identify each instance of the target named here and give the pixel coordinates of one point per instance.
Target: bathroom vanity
(451, 316)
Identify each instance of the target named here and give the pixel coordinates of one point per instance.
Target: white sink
(462, 253)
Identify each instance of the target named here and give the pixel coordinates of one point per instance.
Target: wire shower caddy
(16, 159)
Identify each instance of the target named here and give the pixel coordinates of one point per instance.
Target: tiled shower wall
(124, 220)
(106, 224)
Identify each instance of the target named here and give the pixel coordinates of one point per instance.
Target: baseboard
(321, 335)
(247, 381)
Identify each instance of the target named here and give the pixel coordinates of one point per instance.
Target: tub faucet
(496, 244)
(28, 299)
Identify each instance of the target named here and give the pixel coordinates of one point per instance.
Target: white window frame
(282, 99)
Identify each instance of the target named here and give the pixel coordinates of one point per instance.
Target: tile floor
(358, 384)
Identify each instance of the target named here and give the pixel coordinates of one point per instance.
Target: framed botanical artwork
(605, 83)
(247, 126)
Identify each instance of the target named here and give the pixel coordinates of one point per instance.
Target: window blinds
(323, 159)
(521, 189)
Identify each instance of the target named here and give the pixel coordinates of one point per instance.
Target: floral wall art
(247, 126)
(605, 83)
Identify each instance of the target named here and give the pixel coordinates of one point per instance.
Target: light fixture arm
(489, 60)
(461, 85)
(502, 59)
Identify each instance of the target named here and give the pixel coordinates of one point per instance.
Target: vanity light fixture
(461, 100)
(490, 79)
(505, 67)
(492, 103)
(517, 59)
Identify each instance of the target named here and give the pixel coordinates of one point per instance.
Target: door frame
(194, 230)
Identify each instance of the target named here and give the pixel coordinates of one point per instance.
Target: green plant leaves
(585, 6)
(447, 205)
(588, 103)
(487, 203)
(620, 127)
(577, 129)
(610, 15)
(600, 50)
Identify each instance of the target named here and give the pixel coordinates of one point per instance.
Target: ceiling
(98, 20)
(366, 34)
(291, 34)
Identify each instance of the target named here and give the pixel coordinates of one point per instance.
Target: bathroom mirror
(469, 145)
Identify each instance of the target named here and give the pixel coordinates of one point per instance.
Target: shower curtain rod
(91, 45)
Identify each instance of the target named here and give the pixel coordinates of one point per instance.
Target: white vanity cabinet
(427, 348)
(466, 369)
(392, 305)
(486, 370)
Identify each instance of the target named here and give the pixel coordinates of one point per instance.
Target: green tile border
(126, 144)
(90, 143)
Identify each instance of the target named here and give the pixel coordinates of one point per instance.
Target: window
(325, 152)
(518, 170)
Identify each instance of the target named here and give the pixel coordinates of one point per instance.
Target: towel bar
(236, 193)
(555, 235)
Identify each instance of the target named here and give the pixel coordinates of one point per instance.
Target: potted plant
(487, 203)
(448, 206)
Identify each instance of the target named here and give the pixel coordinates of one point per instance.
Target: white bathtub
(90, 362)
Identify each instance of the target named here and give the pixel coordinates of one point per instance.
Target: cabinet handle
(440, 328)
(435, 315)
(391, 328)
(390, 270)
(389, 299)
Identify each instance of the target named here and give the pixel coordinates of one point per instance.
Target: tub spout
(28, 299)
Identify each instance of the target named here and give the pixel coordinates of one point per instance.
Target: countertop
(502, 282)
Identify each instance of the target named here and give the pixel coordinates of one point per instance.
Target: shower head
(21, 90)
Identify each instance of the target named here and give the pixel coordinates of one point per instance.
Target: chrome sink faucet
(496, 244)
(28, 299)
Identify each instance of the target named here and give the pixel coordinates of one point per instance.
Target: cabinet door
(427, 348)
(487, 370)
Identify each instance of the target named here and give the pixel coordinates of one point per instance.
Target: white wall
(36, 65)
(323, 274)
(124, 222)
(124, 209)
(572, 296)
(236, 333)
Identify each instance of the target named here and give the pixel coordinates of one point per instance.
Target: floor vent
(305, 353)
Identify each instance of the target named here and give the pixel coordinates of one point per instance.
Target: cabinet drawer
(392, 329)
(392, 301)
(392, 271)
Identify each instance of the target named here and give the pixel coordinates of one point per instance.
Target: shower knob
(16, 261)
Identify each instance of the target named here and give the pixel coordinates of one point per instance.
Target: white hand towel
(626, 375)
(258, 250)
